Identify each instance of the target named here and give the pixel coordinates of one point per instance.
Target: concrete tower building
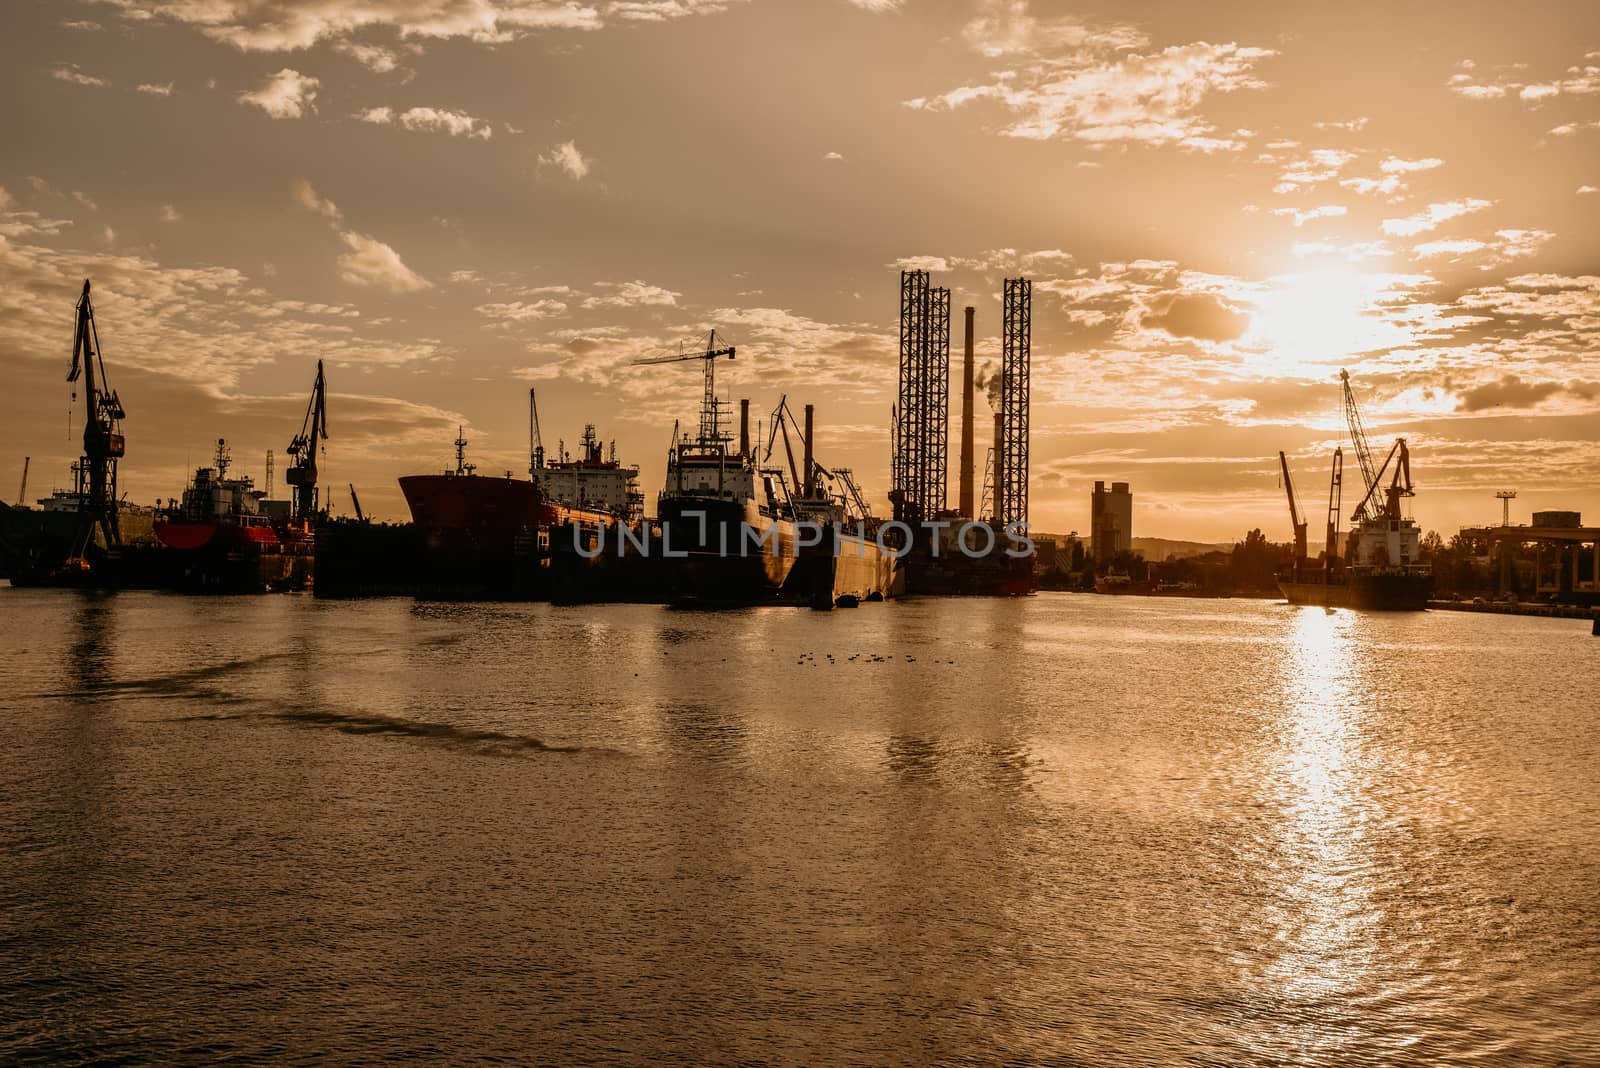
(1111, 520)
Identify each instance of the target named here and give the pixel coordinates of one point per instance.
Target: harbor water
(1061, 829)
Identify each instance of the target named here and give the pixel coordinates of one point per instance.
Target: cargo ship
(220, 540)
(491, 537)
(1381, 567)
(737, 533)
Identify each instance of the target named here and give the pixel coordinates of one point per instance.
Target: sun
(1304, 324)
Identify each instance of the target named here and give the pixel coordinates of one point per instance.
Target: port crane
(355, 502)
(535, 441)
(103, 443)
(709, 430)
(1335, 499)
(302, 473)
(22, 494)
(1294, 511)
(1400, 485)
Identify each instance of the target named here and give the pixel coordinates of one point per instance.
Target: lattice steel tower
(1015, 358)
(922, 415)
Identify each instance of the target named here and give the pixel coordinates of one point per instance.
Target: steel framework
(922, 416)
(1015, 359)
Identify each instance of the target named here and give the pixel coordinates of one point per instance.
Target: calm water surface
(1068, 830)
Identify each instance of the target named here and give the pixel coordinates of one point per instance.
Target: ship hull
(1394, 592)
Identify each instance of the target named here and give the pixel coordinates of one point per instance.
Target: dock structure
(1566, 555)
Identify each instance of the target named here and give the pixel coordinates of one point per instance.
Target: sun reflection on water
(1324, 914)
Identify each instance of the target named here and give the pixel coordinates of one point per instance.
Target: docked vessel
(221, 540)
(737, 532)
(1381, 567)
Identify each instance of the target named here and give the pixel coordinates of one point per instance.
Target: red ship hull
(473, 502)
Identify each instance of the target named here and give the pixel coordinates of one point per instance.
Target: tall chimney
(811, 475)
(999, 469)
(744, 427)
(968, 505)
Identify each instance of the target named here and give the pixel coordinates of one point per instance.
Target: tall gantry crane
(103, 443)
(1400, 485)
(302, 473)
(709, 420)
(1294, 511)
(1335, 503)
(535, 441)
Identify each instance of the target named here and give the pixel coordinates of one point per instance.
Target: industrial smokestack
(968, 505)
(744, 427)
(811, 476)
(999, 468)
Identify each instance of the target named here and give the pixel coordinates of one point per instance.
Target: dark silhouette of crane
(1294, 512)
(302, 473)
(709, 429)
(535, 439)
(1335, 503)
(103, 443)
(1400, 485)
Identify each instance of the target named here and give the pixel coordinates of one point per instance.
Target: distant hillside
(1161, 548)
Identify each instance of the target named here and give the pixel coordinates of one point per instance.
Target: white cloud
(1567, 129)
(367, 261)
(1584, 190)
(376, 59)
(628, 294)
(291, 25)
(1457, 247)
(1326, 211)
(455, 123)
(69, 72)
(1354, 125)
(568, 158)
(1432, 216)
(1084, 83)
(370, 262)
(519, 311)
(155, 90)
(832, 156)
(1396, 165)
(169, 214)
(287, 94)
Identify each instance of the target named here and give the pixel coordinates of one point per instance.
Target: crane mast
(710, 429)
(535, 441)
(103, 443)
(302, 473)
(1358, 438)
(1294, 511)
(1335, 499)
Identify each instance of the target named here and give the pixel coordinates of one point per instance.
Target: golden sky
(450, 200)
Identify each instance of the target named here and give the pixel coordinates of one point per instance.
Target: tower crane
(103, 443)
(1294, 511)
(22, 494)
(1400, 485)
(302, 473)
(1335, 499)
(535, 442)
(709, 429)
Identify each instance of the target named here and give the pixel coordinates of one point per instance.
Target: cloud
(454, 123)
(1352, 125)
(366, 261)
(1326, 211)
(376, 59)
(69, 72)
(291, 25)
(832, 156)
(567, 157)
(1083, 82)
(1396, 165)
(519, 311)
(878, 7)
(370, 262)
(155, 90)
(1578, 80)
(301, 192)
(1318, 166)
(1433, 215)
(287, 94)
(1509, 391)
(1584, 190)
(1200, 315)
(169, 214)
(1567, 129)
(630, 294)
